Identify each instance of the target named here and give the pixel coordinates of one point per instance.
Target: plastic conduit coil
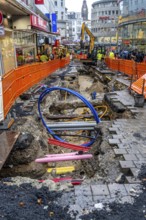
(86, 102)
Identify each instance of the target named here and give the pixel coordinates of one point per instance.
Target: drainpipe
(1, 101)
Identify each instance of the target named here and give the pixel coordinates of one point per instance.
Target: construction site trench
(41, 186)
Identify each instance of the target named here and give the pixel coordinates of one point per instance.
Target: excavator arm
(92, 38)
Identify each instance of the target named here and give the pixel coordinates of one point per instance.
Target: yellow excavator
(92, 52)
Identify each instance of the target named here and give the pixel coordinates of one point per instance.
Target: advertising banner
(39, 2)
(54, 23)
(38, 22)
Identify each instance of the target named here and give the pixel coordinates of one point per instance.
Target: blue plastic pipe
(86, 102)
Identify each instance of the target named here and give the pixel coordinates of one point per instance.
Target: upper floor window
(56, 12)
(55, 3)
(62, 14)
(61, 3)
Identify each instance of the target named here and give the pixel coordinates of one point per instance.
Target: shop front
(25, 47)
(7, 56)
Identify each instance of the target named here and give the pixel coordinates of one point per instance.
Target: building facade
(75, 22)
(132, 24)
(24, 32)
(61, 13)
(84, 11)
(104, 20)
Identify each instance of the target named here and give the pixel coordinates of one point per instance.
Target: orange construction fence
(129, 67)
(83, 56)
(23, 78)
(140, 86)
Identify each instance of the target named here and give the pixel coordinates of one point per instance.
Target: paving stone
(126, 165)
(113, 130)
(117, 136)
(84, 201)
(100, 190)
(132, 151)
(126, 199)
(103, 199)
(130, 157)
(139, 163)
(114, 141)
(120, 151)
(136, 187)
(132, 180)
(122, 146)
(141, 156)
(117, 190)
(83, 190)
(134, 171)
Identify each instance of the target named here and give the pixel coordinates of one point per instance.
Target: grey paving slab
(130, 157)
(117, 136)
(113, 130)
(139, 163)
(102, 199)
(132, 180)
(120, 151)
(130, 188)
(83, 190)
(114, 141)
(117, 190)
(99, 190)
(126, 199)
(126, 165)
(134, 171)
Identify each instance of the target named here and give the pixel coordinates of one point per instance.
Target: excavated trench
(61, 106)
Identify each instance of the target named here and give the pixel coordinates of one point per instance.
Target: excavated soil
(30, 201)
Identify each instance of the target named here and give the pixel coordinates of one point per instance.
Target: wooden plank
(7, 141)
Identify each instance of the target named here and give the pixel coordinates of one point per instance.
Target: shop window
(25, 55)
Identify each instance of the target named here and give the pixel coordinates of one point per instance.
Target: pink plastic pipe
(65, 154)
(65, 158)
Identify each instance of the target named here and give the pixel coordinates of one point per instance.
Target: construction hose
(86, 102)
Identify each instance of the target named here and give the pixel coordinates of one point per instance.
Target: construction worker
(111, 55)
(99, 57)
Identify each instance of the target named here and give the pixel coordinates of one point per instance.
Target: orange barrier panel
(141, 69)
(83, 56)
(128, 67)
(138, 85)
(23, 78)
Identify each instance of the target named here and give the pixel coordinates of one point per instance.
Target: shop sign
(54, 22)
(39, 2)
(2, 31)
(38, 22)
(1, 17)
(126, 42)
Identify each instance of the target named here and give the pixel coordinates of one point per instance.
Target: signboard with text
(39, 2)
(38, 22)
(54, 22)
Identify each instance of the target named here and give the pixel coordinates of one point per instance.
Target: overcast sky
(75, 5)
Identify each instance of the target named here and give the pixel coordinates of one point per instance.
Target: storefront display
(24, 47)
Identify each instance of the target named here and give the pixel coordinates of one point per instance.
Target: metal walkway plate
(7, 141)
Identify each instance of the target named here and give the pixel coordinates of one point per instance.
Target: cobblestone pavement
(129, 145)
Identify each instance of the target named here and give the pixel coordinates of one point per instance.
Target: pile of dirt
(29, 202)
(126, 211)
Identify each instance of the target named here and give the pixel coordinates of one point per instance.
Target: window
(61, 3)
(62, 14)
(55, 3)
(56, 12)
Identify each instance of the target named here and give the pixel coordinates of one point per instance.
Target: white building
(62, 24)
(75, 23)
